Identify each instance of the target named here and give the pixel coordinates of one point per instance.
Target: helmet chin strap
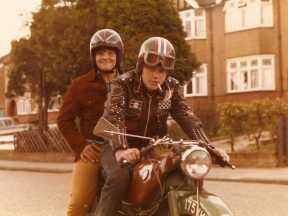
(113, 70)
(107, 71)
(108, 76)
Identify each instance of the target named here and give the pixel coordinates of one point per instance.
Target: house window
(24, 106)
(194, 23)
(252, 73)
(197, 86)
(55, 103)
(247, 14)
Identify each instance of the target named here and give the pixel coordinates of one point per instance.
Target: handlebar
(182, 145)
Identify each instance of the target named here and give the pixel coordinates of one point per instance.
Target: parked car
(9, 126)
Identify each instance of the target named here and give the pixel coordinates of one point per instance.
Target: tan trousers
(84, 185)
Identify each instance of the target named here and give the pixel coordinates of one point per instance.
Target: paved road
(33, 194)
(247, 199)
(43, 194)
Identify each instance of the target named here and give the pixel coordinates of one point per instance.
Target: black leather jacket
(131, 107)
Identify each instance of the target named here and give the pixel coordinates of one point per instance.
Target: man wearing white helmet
(139, 103)
(84, 100)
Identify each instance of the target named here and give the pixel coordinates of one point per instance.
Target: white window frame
(196, 82)
(246, 84)
(24, 106)
(248, 14)
(56, 103)
(190, 16)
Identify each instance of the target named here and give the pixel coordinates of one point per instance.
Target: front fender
(184, 203)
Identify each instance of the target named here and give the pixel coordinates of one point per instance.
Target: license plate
(188, 206)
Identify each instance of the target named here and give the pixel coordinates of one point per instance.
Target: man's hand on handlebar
(222, 153)
(131, 155)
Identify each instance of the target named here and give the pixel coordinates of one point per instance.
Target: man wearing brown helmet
(84, 100)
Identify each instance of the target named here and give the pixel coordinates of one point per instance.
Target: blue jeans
(116, 184)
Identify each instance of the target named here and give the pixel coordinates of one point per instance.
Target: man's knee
(119, 177)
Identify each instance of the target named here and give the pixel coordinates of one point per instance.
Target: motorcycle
(147, 192)
(194, 158)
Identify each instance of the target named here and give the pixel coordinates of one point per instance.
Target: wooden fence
(33, 141)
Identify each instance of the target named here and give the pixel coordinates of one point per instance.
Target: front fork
(197, 197)
(174, 197)
(196, 202)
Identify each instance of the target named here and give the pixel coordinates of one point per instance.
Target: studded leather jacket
(134, 110)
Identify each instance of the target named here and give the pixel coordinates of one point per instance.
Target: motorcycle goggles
(153, 59)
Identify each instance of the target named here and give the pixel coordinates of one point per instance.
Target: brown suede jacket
(84, 101)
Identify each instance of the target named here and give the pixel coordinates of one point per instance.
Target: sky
(13, 16)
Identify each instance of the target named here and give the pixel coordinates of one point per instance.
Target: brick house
(23, 108)
(243, 46)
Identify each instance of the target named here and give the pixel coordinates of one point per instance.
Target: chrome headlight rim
(198, 163)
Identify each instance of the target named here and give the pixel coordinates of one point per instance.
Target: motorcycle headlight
(196, 162)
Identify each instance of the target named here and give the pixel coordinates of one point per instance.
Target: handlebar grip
(227, 163)
(219, 159)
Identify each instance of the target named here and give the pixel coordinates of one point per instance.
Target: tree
(233, 118)
(264, 116)
(58, 48)
(137, 20)
(252, 119)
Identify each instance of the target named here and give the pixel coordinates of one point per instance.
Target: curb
(39, 170)
(220, 179)
(249, 180)
(260, 176)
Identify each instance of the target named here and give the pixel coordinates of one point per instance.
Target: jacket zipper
(148, 116)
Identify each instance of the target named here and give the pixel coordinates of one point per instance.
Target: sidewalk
(252, 175)
(46, 167)
(256, 175)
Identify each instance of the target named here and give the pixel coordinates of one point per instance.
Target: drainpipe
(282, 147)
(279, 42)
(211, 50)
